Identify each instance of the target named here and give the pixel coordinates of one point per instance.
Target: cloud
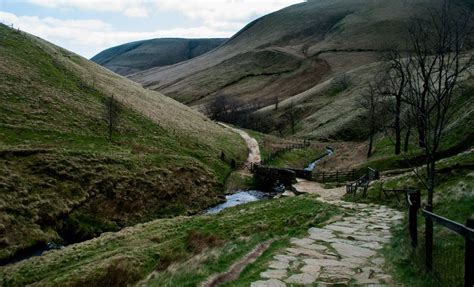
(207, 10)
(88, 37)
(128, 8)
(212, 18)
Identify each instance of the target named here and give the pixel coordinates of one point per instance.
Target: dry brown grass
(197, 241)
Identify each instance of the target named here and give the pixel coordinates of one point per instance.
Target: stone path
(344, 252)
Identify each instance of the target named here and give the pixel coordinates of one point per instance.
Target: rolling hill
(62, 180)
(141, 55)
(295, 56)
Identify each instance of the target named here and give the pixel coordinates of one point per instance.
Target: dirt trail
(234, 271)
(252, 144)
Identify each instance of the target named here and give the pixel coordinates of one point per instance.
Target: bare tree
(223, 108)
(276, 102)
(291, 116)
(370, 102)
(111, 115)
(433, 66)
(394, 86)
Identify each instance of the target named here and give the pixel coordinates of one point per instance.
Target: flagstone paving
(344, 252)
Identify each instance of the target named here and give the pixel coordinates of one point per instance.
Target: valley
(329, 143)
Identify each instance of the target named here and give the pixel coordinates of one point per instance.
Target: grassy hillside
(141, 55)
(60, 178)
(184, 250)
(296, 55)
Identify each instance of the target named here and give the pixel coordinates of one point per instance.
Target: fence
(277, 152)
(338, 176)
(448, 256)
(363, 181)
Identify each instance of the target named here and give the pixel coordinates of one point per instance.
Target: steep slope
(141, 55)
(295, 56)
(286, 52)
(62, 180)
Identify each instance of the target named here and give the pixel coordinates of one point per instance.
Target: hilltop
(62, 180)
(296, 57)
(137, 56)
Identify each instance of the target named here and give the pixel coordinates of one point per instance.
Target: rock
(268, 283)
(309, 252)
(355, 260)
(312, 269)
(274, 274)
(302, 279)
(348, 250)
(299, 242)
(317, 247)
(340, 272)
(378, 261)
(284, 258)
(321, 234)
(278, 265)
(370, 238)
(329, 262)
(372, 245)
(342, 229)
(288, 193)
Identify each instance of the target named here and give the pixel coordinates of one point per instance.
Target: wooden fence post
(469, 257)
(429, 240)
(414, 197)
(337, 176)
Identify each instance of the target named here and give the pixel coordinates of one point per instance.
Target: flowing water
(312, 166)
(238, 198)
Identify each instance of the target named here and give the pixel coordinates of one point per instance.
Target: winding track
(252, 144)
(345, 251)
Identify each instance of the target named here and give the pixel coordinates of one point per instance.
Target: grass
(186, 249)
(297, 158)
(61, 179)
(457, 136)
(453, 199)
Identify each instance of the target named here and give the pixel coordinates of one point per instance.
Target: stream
(238, 198)
(312, 166)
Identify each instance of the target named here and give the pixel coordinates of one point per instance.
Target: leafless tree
(111, 115)
(276, 102)
(434, 64)
(223, 108)
(291, 116)
(394, 85)
(371, 103)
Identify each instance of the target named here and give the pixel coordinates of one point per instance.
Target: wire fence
(446, 254)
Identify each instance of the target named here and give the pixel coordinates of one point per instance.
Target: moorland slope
(137, 56)
(296, 56)
(62, 180)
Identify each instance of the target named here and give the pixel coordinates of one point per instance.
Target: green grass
(196, 246)
(163, 160)
(458, 131)
(297, 158)
(453, 199)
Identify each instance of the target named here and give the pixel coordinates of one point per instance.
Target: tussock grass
(165, 244)
(60, 176)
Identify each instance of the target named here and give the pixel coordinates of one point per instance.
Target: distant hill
(61, 179)
(293, 56)
(141, 55)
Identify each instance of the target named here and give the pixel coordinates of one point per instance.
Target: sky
(87, 27)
